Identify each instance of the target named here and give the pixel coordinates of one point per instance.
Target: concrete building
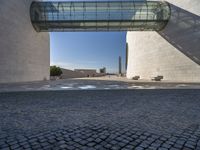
(66, 74)
(174, 52)
(25, 54)
(80, 73)
(87, 72)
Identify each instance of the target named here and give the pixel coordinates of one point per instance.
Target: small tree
(55, 71)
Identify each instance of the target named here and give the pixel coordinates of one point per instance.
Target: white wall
(173, 52)
(25, 54)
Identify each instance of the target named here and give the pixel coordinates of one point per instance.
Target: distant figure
(103, 70)
(120, 66)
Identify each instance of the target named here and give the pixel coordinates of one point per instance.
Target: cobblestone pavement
(98, 120)
(101, 137)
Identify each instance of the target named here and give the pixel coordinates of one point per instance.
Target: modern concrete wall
(66, 74)
(173, 52)
(80, 73)
(25, 54)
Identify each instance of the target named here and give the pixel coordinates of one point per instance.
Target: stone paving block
(5, 148)
(174, 148)
(44, 144)
(169, 142)
(15, 146)
(107, 138)
(198, 148)
(134, 136)
(173, 139)
(116, 147)
(151, 148)
(178, 146)
(121, 144)
(190, 144)
(144, 145)
(162, 148)
(113, 142)
(166, 145)
(91, 144)
(129, 147)
(186, 148)
(156, 145)
(139, 148)
(108, 146)
(143, 137)
(52, 141)
(26, 146)
(36, 147)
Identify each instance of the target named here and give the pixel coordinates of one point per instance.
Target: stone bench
(157, 78)
(136, 77)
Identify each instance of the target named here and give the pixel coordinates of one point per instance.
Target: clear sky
(93, 50)
(88, 50)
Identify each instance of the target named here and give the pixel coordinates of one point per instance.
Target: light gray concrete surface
(102, 83)
(25, 54)
(173, 52)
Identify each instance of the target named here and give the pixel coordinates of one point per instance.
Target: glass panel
(99, 16)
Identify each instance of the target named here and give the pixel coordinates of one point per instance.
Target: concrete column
(25, 54)
(173, 52)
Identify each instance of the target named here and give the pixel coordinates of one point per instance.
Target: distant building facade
(66, 74)
(80, 73)
(87, 72)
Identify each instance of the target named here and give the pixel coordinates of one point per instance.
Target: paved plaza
(98, 83)
(163, 119)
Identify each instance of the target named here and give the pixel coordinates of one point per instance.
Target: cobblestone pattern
(102, 137)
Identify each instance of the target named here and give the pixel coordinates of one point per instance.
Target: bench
(136, 77)
(157, 78)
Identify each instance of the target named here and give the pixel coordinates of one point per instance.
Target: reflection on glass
(99, 16)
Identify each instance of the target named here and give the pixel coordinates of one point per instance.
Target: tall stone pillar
(173, 52)
(25, 54)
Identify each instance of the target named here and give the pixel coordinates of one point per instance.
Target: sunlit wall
(173, 52)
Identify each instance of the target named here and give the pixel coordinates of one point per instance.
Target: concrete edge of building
(25, 54)
(172, 53)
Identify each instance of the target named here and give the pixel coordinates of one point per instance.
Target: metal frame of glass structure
(99, 16)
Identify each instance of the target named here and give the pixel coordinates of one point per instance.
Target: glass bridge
(99, 16)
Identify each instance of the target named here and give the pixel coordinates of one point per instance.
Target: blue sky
(89, 50)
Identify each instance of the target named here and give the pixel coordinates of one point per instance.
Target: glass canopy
(99, 16)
